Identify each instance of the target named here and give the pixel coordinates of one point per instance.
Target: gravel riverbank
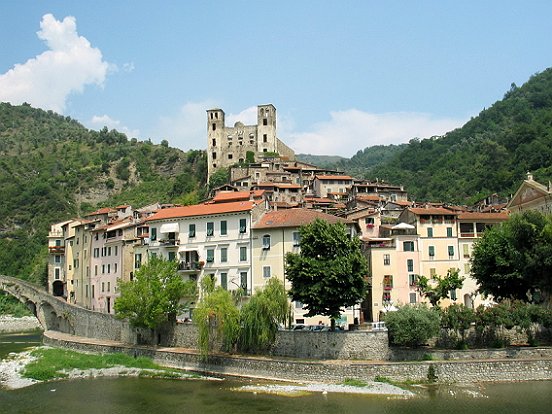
(9, 324)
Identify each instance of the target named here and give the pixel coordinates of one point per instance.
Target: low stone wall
(325, 371)
(421, 354)
(9, 324)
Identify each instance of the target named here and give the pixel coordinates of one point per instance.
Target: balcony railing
(56, 249)
(189, 266)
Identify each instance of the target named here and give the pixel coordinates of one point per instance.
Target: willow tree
(216, 317)
(329, 272)
(261, 317)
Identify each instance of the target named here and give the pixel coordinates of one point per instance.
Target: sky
(343, 75)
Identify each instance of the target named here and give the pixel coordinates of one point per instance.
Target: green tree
(458, 318)
(217, 318)
(514, 260)
(412, 325)
(156, 295)
(329, 272)
(218, 178)
(437, 288)
(261, 317)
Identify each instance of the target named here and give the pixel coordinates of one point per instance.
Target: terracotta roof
(483, 216)
(435, 211)
(402, 203)
(318, 200)
(231, 195)
(368, 197)
(279, 185)
(122, 206)
(295, 217)
(334, 177)
(105, 210)
(202, 210)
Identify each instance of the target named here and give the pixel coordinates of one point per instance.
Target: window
(449, 231)
(430, 232)
(210, 255)
(96, 252)
(58, 243)
(266, 242)
(109, 268)
(386, 297)
(56, 273)
(243, 225)
(408, 246)
(453, 294)
(298, 304)
(223, 227)
(296, 238)
(214, 127)
(451, 252)
(103, 269)
(137, 260)
(266, 271)
(109, 286)
(412, 280)
(172, 256)
(466, 250)
(432, 271)
(115, 268)
(191, 230)
(466, 268)
(103, 286)
(243, 281)
(96, 270)
(431, 251)
(387, 282)
(86, 291)
(410, 265)
(57, 259)
(386, 259)
(109, 251)
(243, 253)
(210, 228)
(116, 249)
(265, 138)
(413, 297)
(214, 142)
(214, 155)
(224, 280)
(265, 121)
(369, 221)
(223, 254)
(93, 291)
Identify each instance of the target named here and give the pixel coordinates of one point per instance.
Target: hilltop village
(241, 234)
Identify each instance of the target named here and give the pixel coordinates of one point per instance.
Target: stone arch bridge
(54, 314)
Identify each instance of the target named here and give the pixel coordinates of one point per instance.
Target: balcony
(189, 266)
(169, 242)
(56, 249)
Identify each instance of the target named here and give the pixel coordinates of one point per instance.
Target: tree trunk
(332, 325)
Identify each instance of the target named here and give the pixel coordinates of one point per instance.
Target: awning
(183, 249)
(402, 226)
(169, 228)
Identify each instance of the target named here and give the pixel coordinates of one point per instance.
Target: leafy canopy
(328, 274)
(412, 325)
(156, 294)
(437, 288)
(514, 260)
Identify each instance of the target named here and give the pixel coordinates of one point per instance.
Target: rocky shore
(9, 324)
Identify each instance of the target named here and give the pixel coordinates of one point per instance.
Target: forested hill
(490, 153)
(52, 168)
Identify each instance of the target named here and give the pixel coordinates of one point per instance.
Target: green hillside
(490, 153)
(52, 168)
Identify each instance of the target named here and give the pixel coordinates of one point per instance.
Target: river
(159, 396)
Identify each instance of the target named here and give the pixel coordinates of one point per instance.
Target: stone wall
(330, 371)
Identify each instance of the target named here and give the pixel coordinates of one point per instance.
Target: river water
(138, 395)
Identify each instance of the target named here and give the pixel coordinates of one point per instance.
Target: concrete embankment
(505, 369)
(9, 324)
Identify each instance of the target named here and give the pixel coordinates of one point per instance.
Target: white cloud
(351, 130)
(247, 117)
(187, 129)
(47, 80)
(99, 121)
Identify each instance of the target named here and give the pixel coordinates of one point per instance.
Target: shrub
(412, 325)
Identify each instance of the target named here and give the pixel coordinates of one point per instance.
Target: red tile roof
(334, 177)
(483, 216)
(435, 211)
(202, 210)
(105, 210)
(231, 195)
(295, 217)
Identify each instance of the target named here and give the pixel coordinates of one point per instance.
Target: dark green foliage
(249, 157)
(329, 272)
(50, 164)
(437, 288)
(490, 154)
(156, 295)
(412, 325)
(11, 306)
(458, 319)
(218, 178)
(514, 260)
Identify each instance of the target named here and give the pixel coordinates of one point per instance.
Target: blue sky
(343, 75)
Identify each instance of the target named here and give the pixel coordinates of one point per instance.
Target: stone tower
(227, 146)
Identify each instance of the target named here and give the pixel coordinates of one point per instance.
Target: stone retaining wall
(328, 371)
(10, 324)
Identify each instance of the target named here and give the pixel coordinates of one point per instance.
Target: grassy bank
(52, 363)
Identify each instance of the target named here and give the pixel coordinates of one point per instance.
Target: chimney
(529, 176)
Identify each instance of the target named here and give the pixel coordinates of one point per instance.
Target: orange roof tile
(435, 211)
(483, 216)
(334, 177)
(202, 210)
(105, 210)
(295, 217)
(231, 195)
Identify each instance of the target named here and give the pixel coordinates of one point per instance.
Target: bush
(412, 325)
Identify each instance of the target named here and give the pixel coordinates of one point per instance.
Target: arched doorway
(57, 288)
